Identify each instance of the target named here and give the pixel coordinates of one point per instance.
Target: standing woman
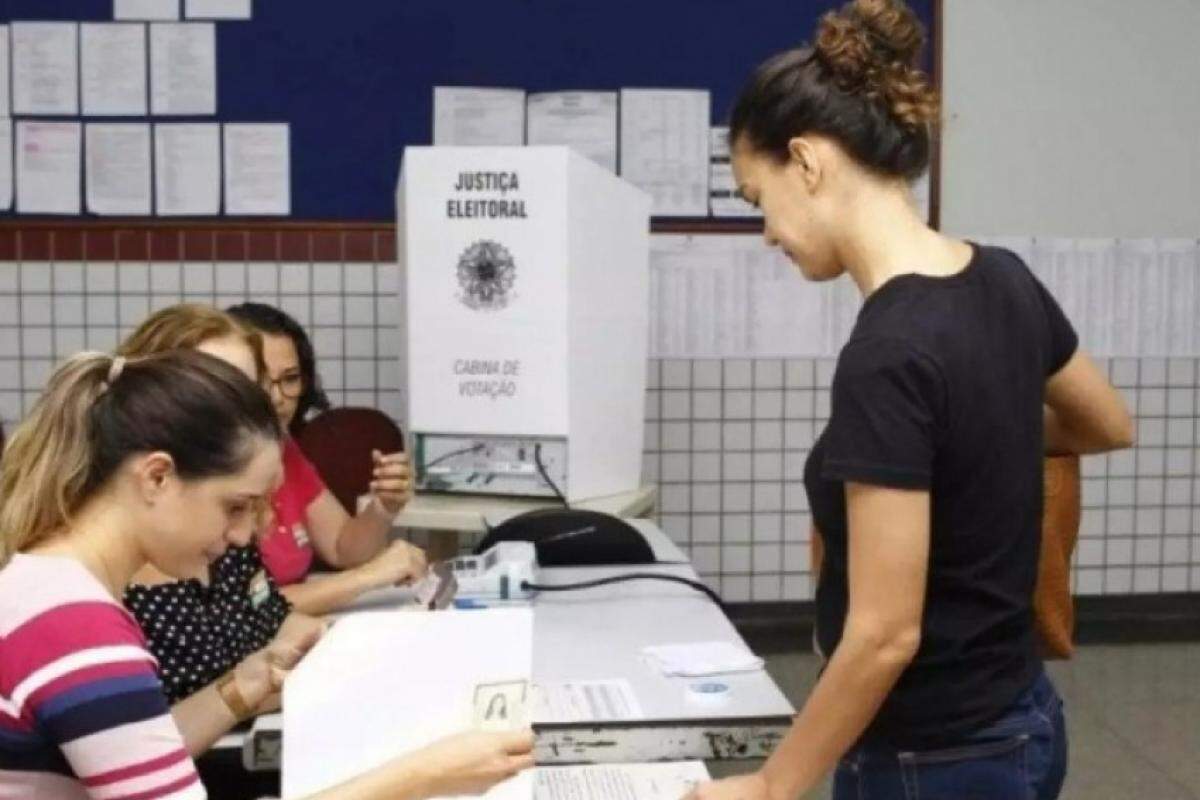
(960, 373)
(308, 518)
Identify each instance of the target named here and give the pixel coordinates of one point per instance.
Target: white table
(598, 634)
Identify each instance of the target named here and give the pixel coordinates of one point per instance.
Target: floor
(1133, 713)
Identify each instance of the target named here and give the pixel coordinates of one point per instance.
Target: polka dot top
(198, 633)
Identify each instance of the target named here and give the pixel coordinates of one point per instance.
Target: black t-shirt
(940, 387)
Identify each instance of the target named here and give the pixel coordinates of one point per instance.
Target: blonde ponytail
(44, 470)
(99, 410)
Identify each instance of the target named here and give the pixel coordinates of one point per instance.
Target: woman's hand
(391, 481)
(259, 676)
(742, 787)
(471, 763)
(399, 563)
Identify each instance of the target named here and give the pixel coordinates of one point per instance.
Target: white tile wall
(726, 440)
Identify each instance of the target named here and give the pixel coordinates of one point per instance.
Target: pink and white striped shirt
(82, 712)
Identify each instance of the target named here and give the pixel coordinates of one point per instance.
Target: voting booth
(524, 281)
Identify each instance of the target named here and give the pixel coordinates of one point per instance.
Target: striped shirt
(82, 711)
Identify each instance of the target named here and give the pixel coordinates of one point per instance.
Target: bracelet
(232, 697)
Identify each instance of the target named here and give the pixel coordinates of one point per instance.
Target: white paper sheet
(146, 9)
(183, 68)
(402, 681)
(187, 169)
(586, 701)
(665, 781)
(478, 116)
(664, 147)
(724, 199)
(113, 62)
(6, 163)
(117, 158)
(5, 64)
(48, 167)
(257, 169)
(731, 296)
(1125, 298)
(1180, 260)
(217, 9)
(587, 121)
(45, 68)
(701, 659)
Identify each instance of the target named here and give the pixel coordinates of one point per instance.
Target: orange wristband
(232, 696)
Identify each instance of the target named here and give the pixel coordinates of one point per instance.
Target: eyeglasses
(290, 385)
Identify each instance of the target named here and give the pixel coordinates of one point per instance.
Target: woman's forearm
(327, 593)
(864, 668)
(399, 779)
(202, 718)
(362, 537)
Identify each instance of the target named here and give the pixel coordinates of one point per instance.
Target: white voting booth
(524, 287)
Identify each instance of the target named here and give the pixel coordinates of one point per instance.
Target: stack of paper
(700, 659)
(667, 781)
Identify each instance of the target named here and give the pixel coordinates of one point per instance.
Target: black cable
(537, 459)
(475, 448)
(634, 576)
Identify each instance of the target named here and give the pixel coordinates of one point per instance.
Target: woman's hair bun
(871, 47)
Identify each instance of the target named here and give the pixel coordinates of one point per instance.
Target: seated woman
(161, 460)
(307, 515)
(201, 627)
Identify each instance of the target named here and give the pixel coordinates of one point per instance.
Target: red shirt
(286, 549)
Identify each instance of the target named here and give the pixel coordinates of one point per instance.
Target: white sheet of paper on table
(702, 659)
(45, 68)
(384, 683)
(665, 781)
(465, 115)
(183, 68)
(117, 164)
(146, 9)
(113, 67)
(48, 168)
(586, 701)
(187, 168)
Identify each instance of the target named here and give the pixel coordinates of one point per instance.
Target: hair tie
(114, 372)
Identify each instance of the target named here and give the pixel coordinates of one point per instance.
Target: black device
(568, 537)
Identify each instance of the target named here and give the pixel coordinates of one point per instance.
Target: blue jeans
(1020, 756)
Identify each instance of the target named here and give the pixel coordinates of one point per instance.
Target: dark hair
(269, 319)
(97, 410)
(859, 84)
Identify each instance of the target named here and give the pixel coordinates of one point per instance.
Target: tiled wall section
(49, 310)
(726, 440)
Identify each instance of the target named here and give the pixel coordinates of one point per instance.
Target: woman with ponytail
(162, 460)
(960, 373)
